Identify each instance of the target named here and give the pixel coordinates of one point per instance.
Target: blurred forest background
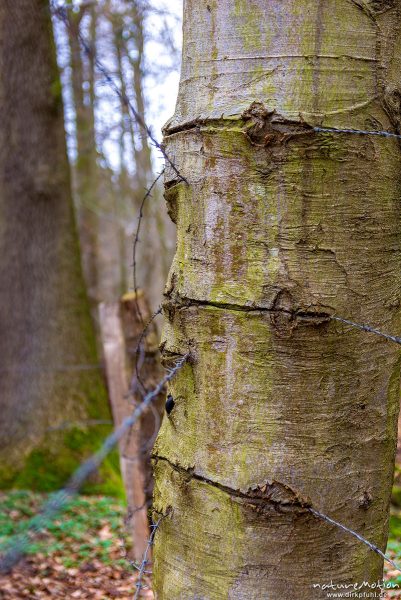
(111, 158)
(114, 57)
(73, 306)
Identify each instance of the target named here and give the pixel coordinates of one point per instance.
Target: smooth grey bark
(280, 227)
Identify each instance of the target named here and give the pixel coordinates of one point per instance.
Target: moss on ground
(47, 469)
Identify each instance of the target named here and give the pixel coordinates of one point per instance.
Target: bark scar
(265, 128)
(270, 495)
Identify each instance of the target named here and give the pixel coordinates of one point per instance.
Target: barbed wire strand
(142, 570)
(18, 546)
(139, 354)
(326, 317)
(147, 195)
(123, 546)
(359, 537)
(139, 346)
(148, 444)
(387, 134)
(61, 13)
(367, 328)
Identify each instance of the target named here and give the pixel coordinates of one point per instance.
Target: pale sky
(162, 97)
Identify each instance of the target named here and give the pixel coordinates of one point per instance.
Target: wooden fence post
(131, 462)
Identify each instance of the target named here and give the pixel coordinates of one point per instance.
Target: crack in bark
(315, 316)
(374, 7)
(261, 125)
(272, 495)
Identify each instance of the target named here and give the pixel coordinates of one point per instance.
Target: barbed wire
(139, 586)
(136, 239)
(123, 545)
(387, 134)
(326, 317)
(61, 12)
(16, 549)
(140, 350)
(358, 536)
(368, 329)
(139, 354)
(148, 444)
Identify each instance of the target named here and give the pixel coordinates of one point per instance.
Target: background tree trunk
(279, 228)
(85, 168)
(154, 252)
(49, 368)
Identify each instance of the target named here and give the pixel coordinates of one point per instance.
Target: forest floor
(82, 555)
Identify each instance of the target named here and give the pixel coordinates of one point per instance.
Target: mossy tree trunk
(49, 371)
(280, 227)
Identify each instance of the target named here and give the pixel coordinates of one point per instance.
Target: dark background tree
(49, 365)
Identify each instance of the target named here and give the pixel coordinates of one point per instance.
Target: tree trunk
(279, 228)
(49, 368)
(85, 168)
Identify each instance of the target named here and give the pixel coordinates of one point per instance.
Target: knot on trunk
(266, 128)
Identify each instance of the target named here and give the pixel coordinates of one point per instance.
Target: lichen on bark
(279, 228)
